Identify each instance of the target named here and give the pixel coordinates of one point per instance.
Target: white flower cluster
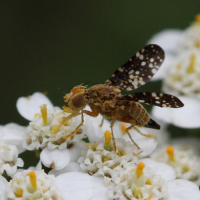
(181, 73)
(32, 185)
(87, 171)
(128, 177)
(183, 159)
(10, 140)
(125, 176)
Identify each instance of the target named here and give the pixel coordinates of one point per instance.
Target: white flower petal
(10, 170)
(165, 67)
(75, 150)
(167, 39)
(189, 115)
(75, 185)
(181, 116)
(60, 158)
(100, 189)
(183, 190)
(162, 169)
(20, 162)
(71, 167)
(13, 133)
(29, 106)
(3, 185)
(163, 114)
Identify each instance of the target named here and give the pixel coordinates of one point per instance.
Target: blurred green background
(54, 45)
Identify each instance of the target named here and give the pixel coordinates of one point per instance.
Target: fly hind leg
(127, 131)
(146, 135)
(132, 126)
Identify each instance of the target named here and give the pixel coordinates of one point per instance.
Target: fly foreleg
(92, 114)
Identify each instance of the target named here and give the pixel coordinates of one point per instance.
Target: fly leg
(146, 135)
(100, 125)
(127, 131)
(93, 114)
(111, 126)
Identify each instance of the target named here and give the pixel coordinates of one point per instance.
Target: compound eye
(79, 101)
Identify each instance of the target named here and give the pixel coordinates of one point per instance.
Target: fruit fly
(106, 99)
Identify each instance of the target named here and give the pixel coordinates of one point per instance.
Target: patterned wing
(139, 69)
(156, 99)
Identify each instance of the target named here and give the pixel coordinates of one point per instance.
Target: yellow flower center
(148, 182)
(150, 197)
(123, 128)
(121, 153)
(92, 146)
(192, 64)
(106, 159)
(139, 170)
(43, 109)
(18, 192)
(137, 194)
(32, 177)
(170, 152)
(107, 136)
(55, 129)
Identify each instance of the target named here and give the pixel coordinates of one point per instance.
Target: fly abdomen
(139, 114)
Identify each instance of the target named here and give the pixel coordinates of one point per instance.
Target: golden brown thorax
(103, 99)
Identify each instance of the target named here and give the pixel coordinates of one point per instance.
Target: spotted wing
(139, 69)
(156, 99)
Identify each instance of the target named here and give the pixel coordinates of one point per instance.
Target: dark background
(54, 45)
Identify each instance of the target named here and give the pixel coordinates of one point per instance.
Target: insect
(106, 99)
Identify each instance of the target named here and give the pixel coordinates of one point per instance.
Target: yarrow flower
(100, 155)
(148, 180)
(38, 185)
(183, 78)
(183, 159)
(191, 38)
(137, 181)
(174, 42)
(50, 129)
(11, 136)
(9, 160)
(181, 75)
(50, 133)
(129, 178)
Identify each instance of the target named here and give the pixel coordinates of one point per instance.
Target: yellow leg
(93, 114)
(146, 135)
(111, 126)
(127, 131)
(76, 129)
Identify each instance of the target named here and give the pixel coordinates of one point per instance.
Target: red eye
(79, 101)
